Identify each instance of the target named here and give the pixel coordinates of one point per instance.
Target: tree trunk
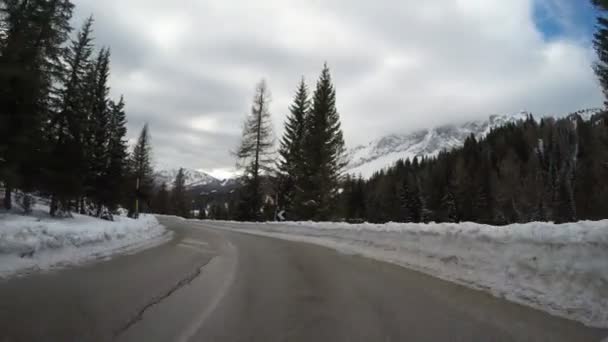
(53, 208)
(8, 198)
(256, 172)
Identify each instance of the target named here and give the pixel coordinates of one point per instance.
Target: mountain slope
(384, 152)
(193, 177)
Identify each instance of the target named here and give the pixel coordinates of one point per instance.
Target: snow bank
(39, 242)
(561, 269)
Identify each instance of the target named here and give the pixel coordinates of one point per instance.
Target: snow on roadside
(39, 242)
(561, 269)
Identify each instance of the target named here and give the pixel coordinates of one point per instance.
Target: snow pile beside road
(39, 242)
(562, 269)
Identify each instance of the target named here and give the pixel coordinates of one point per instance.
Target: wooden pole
(137, 198)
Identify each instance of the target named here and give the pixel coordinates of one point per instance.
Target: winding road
(210, 284)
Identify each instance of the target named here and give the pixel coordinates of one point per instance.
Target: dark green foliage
(60, 134)
(521, 172)
(600, 42)
(31, 49)
(180, 202)
(218, 211)
(324, 153)
(292, 161)
(353, 199)
(141, 176)
(412, 204)
(448, 206)
(117, 168)
(161, 203)
(68, 126)
(98, 127)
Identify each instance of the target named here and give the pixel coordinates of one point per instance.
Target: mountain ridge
(193, 177)
(383, 152)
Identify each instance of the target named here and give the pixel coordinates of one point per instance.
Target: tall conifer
(255, 153)
(292, 160)
(324, 153)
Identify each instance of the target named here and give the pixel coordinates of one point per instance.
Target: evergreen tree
(406, 197)
(218, 211)
(31, 49)
(517, 173)
(292, 161)
(99, 128)
(255, 153)
(117, 169)
(161, 202)
(324, 153)
(411, 200)
(202, 213)
(179, 201)
(56, 130)
(354, 198)
(141, 173)
(449, 206)
(600, 43)
(69, 124)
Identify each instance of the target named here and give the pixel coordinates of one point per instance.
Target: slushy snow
(561, 269)
(39, 242)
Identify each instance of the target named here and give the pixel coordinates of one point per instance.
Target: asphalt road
(214, 285)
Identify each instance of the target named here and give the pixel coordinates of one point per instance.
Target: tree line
(552, 170)
(303, 181)
(61, 134)
(175, 200)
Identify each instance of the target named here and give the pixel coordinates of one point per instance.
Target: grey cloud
(189, 69)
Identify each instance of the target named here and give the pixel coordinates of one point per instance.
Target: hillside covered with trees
(552, 170)
(61, 135)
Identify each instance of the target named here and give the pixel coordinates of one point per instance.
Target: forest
(547, 170)
(61, 135)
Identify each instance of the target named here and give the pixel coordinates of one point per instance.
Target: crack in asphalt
(158, 299)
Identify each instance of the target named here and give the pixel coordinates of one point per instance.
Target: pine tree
(161, 203)
(324, 153)
(69, 124)
(354, 199)
(255, 152)
(600, 43)
(141, 173)
(292, 161)
(179, 200)
(99, 128)
(31, 48)
(117, 169)
(406, 196)
(449, 206)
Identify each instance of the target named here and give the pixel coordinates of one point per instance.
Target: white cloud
(190, 69)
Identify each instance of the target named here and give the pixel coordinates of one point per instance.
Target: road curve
(213, 285)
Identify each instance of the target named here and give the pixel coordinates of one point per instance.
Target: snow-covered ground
(39, 242)
(561, 269)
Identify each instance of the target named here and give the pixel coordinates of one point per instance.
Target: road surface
(214, 285)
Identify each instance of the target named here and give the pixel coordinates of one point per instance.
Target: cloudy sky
(189, 67)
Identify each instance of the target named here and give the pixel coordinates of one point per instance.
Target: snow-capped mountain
(384, 152)
(193, 177)
(587, 114)
(198, 182)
